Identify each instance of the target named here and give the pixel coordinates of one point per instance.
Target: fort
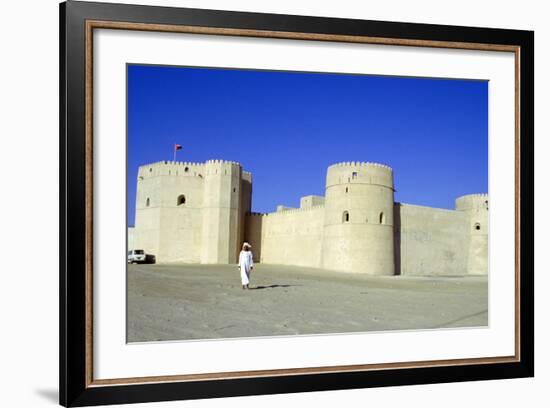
(201, 213)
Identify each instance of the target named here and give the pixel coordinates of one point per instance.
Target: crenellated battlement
(477, 195)
(285, 212)
(216, 161)
(223, 168)
(356, 164)
(295, 210)
(170, 168)
(183, 168)
(346, 173)
(472, 201)
(171, 163)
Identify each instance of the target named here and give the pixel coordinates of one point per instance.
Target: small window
(150, 169)
(477, 226)
(234, 189)
(181, 199)
(346, 189)
(486, 205)
(147, 202)
(345, 216)
(354, 175)
(382, 218)
(186, 169)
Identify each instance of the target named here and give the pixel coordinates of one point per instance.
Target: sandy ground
(180, 302)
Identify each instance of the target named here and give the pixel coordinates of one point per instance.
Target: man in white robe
(246, 264)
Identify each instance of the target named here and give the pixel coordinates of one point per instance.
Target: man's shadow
(270, 287)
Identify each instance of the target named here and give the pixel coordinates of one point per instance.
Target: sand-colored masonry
(200, 213)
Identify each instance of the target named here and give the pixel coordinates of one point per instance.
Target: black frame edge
(293, 384)
(72, 208)
(62, 207)
(527, 195)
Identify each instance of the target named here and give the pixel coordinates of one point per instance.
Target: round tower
(221, 212)
(476, 207)
(358, 227)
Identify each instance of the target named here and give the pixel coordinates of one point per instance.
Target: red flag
(177, 147)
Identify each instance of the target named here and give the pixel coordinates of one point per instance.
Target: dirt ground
(182, 302)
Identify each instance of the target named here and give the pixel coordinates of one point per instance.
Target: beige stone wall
(292, 237)
(254, 233)
(245, 208)
(430, 241)
(200, 213)
(130, 239)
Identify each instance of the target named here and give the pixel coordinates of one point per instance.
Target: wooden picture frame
(78, 20)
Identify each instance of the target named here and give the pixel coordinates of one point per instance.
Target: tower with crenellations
(358, 223)
(476, 208)
(192, 212)
(221, 210)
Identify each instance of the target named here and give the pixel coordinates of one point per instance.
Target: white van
(136, 256)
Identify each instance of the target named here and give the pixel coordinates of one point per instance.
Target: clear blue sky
(288, 127)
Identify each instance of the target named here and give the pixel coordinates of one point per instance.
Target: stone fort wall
(430, 241)
(356, 227)
(289, 237)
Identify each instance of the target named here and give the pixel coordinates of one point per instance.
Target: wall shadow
(253, 234)
(397, 237)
